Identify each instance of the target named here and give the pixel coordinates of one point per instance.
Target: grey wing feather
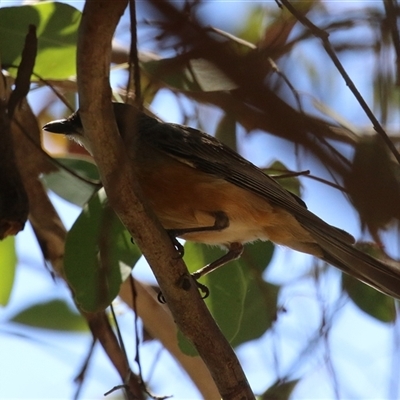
(383, 277)
(204, 152)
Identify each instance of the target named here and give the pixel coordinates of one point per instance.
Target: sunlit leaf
(57, 26)
(98, 253)
(54, 315)
(280, 390)
(8, 262)
(282, 175)
(242, 303)
(252, 26)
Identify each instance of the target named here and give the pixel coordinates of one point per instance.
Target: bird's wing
(207, 154)
(384, 277)
(204, 152)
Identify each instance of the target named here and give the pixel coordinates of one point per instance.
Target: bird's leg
(235, 250)
(221, 222)
(179, 248)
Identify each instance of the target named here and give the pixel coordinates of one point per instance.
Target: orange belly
(183, 197)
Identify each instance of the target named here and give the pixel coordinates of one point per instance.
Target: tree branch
(51, 233)
(98, 24)
(159, 323)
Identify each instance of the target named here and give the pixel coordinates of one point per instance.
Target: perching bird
(203, 191)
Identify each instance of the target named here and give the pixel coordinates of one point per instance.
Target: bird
(203, 191)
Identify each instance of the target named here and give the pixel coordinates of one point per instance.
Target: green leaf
(280, 390)
(186, 345)
(290, 183)
(252, 26)
(8, 262)
(57, 26)
(99, 255)
(369, 300)
(243, 305)
(55, 315)
(77, 187)
(226, 131)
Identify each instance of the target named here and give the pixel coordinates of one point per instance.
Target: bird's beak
(60, 126)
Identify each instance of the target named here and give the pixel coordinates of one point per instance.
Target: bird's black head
(126, 116)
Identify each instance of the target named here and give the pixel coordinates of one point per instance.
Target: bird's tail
(381, 276)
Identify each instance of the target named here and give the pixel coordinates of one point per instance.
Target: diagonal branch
(159, 322)
(99, 20)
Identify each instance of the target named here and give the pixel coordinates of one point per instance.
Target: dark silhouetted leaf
(373, 184)
(196, 75)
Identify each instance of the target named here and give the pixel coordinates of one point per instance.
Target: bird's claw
(204, 290)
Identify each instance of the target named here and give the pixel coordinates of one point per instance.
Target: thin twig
(296, 95)
(67, 85)
(324, 36)
(82, 373)
(119, 334)
(134, 68)
(137, 341)
(288, 174)
(306, 173)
